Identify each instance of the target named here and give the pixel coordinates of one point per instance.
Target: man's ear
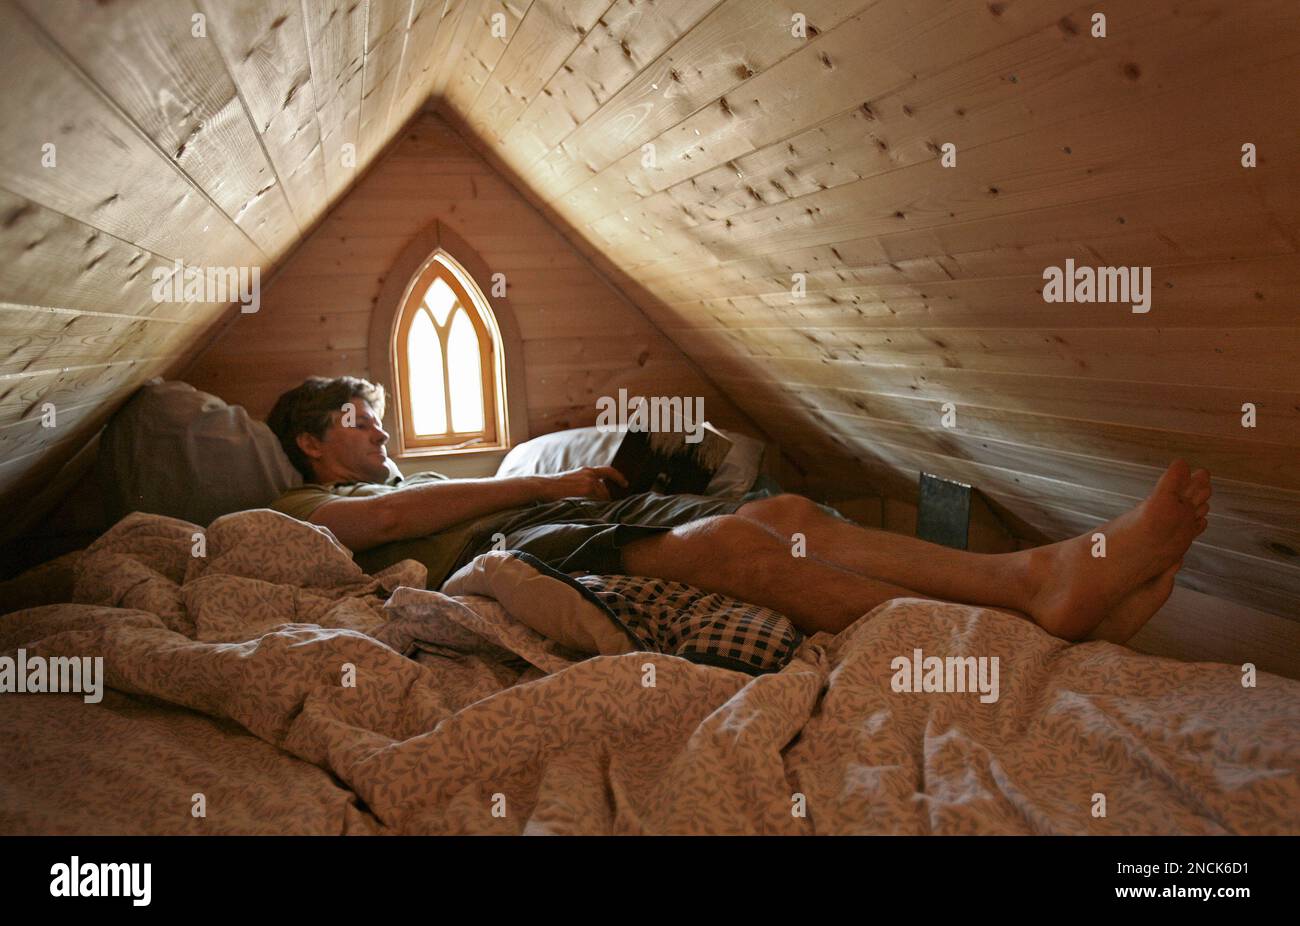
(309, 444)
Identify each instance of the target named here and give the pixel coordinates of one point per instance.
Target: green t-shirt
(438, 552)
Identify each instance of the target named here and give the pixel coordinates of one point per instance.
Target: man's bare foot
(1127, 617)
(1073, 592)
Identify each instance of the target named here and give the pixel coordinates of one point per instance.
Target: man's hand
(586, 482)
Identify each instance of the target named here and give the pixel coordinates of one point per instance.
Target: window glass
(424, 361)
(440, 299)
(465, 374)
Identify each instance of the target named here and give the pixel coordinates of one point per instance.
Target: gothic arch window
(447, 356)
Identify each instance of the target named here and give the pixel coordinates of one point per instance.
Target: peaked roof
(843, 213)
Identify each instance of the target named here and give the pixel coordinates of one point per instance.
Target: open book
(664, 462)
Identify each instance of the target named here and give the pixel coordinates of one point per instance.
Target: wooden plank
(1195, 627)
(265, 49)
(548, 33)
(1245, 293)
(1245, 459)
(597, 353)
(659, 375)
(175, 87)
(1075, 483)
(627, 37)
(109, 175)
(480, 49)
(48, 259)
(255, 381)
(451, 37)
(735, 41)
(1205, 410)
(24, 475)
(1244, 358)
(313, 295)
(322, 331)
(1110, 163)
(403, 184)
(21, 395)
(37, 339)
(966, 99)
(335, 32)
(32, 435)
(385, 44)
(1160, 227)
(433, 25)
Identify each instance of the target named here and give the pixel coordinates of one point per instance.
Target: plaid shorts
(706, 627)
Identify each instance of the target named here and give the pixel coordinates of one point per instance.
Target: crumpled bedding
(228, 676)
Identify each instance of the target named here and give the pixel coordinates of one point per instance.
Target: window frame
(442, 265)
(406, 282)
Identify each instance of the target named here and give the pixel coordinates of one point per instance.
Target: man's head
(331, 431)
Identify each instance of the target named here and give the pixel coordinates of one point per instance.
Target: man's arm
(362, 523)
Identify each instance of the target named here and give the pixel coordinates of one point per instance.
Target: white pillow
(549, 602)
(565, 450)
(175, 451)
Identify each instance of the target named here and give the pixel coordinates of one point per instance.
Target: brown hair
(307, 409)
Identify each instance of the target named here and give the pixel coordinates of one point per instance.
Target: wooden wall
(701, 153)
(581, 338)
(218, 142)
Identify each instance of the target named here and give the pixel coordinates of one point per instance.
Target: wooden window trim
(408, 280)
(437, 268)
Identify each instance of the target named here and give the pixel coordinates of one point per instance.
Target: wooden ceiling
(701, 155)
(213, 133)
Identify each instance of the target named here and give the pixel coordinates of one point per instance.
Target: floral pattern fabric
(296, 694)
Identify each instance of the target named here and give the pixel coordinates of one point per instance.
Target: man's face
(352, 450)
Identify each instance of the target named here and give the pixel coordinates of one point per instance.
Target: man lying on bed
(736, 547)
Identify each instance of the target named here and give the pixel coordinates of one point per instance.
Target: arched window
(449, 371)
(434, 334)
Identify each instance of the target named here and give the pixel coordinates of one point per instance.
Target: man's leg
(741, 558)
(1061, 587)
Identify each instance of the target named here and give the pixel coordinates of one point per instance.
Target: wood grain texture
(580, 338)
(144, 132)
(652, 176)
(739, 155)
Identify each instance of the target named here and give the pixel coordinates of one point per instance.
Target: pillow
(539, 597)
(565, 450)
(610, 615)
(175, 451)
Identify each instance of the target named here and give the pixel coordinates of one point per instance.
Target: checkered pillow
(706, 627)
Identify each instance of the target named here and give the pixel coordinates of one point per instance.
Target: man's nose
(381, 434)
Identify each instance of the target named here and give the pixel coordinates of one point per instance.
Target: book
(666, 463)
